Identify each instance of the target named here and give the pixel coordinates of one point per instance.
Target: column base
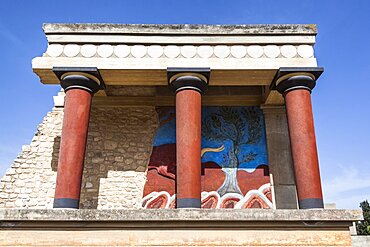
(188, 203)
(311, 203)
(66, 203)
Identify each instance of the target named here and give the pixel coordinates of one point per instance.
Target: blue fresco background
(259, 147)
(166, 134)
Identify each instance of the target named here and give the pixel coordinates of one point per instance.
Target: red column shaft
(188, 146)
(303, 145)
(72, 148)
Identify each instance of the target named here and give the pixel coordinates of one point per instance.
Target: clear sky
(341, 99)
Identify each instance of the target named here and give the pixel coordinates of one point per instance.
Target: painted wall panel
(235, 170)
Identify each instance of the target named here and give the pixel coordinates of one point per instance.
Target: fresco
(234, 160)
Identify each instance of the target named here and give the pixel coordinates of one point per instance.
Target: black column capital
(290, 78)
(86, 78)
(188, 78)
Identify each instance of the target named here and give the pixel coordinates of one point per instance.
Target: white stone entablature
(140, 54)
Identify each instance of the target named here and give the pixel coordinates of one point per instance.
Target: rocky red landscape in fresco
(162, 174)
(234, 171)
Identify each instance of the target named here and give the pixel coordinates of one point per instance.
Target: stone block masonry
(118, 149)
(177, 227)
(30, 180)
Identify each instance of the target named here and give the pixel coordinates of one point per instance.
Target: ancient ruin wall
(30, 180)
(119, 145)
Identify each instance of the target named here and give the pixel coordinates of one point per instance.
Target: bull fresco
(234, 160)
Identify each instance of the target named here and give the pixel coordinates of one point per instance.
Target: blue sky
(341, 99)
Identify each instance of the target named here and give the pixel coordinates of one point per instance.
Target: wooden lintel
(158, 77)
(116, 101)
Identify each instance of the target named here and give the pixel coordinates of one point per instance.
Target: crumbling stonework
(121, 189)
(118, 149)
(30, 181)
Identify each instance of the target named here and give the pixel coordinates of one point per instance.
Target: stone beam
(139, 54)
(210, 217)
(180, 227)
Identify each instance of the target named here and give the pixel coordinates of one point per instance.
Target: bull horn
(216, 150)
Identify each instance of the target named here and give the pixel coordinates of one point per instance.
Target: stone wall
(30, 180)
(179, 227)
(119, 146)
(118, 149)
(280, 158)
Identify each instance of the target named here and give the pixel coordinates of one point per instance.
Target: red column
(72, 148)
(188, 146)
(79, 90)
(188, 83)
(304, 151)
(297, 93)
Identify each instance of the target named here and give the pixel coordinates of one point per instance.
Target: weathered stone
(4, 195)
(280, 159)
(128, 161)
(106, 185)
(97, 160)
(110, 145)
(214, 215)
(88, 185)
(6, 178)
(180, 28)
